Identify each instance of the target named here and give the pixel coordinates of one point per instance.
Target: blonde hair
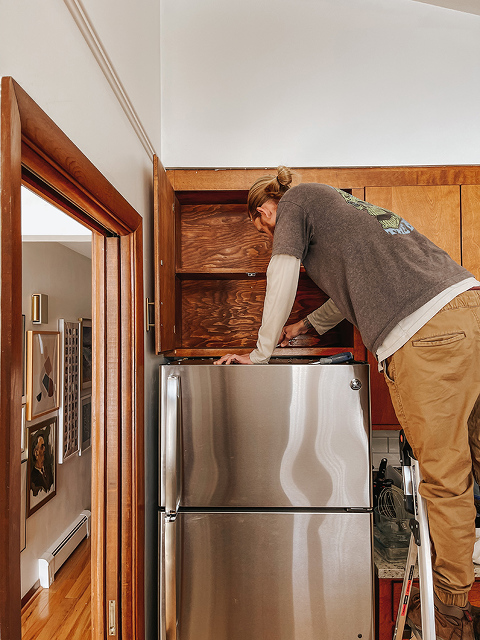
(268, 188)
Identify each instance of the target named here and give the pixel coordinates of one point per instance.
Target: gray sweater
(373, 264)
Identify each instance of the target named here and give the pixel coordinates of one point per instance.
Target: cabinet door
(435, 212)
(164, 258)
(471, 229)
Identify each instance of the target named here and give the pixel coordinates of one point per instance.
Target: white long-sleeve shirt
(282, 282)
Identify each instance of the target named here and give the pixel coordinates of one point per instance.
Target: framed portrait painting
(85, 423)
(42, 373)
(42, 464)
(86, 354)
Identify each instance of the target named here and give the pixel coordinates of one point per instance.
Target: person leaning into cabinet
(418, 311)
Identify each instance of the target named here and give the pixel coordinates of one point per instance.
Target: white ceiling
(467, 6)
(42, 222)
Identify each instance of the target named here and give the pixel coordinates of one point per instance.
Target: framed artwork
(23, 361)
(70, 389)
(86, 357)
(42, 373)
(23, 434)
(23, 507)
(42, 464)
(85, 423)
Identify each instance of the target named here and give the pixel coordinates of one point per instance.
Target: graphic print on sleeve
(391, 222)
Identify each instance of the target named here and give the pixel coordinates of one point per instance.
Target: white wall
(42, 48)
(318, 83)
(66, 277)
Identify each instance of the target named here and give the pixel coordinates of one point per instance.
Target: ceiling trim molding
(87, 29)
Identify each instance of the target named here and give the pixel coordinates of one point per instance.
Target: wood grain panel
(341, 177)
(219, 313)
(99, 453)
(132, 439)
(10, 363)
(220, 237)
(433, 211)
(383, 413)
(164, 259)
(471, 229)
(113, 472)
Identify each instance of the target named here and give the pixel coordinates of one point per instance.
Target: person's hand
(291, 331)
(232, 358)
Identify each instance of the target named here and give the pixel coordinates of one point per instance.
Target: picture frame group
(57, 383)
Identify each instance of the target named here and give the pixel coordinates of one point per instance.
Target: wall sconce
(39, 308)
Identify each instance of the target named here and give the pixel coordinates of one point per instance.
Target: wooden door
(434, 211)
(164, 259)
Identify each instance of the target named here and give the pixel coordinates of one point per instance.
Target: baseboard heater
(61, 549)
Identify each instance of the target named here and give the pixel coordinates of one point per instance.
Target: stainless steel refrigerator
(265, 513)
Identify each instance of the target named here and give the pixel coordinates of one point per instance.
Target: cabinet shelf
(287, 352)
(220, 274)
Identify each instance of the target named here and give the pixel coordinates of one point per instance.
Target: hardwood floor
(63, 611)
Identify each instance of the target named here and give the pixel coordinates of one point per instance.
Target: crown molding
(92, 38)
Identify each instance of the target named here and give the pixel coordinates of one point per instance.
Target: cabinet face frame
(34, 151)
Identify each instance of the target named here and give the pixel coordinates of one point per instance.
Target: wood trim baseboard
(30, 593)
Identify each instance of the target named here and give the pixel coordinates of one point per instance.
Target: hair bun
(284, 176)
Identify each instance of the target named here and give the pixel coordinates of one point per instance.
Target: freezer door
(267, 436)
(268, 576)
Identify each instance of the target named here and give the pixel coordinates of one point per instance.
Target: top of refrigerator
(265, 437)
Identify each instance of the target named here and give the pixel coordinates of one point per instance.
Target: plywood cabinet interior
(218, 278)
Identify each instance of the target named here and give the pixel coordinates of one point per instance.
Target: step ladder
(419, 548)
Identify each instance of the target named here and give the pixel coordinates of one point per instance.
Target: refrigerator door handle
(170, 578)
(172, 447)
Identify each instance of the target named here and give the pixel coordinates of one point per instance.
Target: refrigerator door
(267, 436)
(268, 576)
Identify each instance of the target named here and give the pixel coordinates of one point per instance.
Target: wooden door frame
(36, 152)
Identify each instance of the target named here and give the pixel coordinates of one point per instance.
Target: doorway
(35, 152)
(56, 476)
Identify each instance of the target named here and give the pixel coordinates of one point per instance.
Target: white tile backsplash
(380, 445)
(385, 445)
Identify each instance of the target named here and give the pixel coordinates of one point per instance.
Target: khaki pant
(434, 383)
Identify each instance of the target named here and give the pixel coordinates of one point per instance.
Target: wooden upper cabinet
(471, 228)
(210, 278)
(432, 210)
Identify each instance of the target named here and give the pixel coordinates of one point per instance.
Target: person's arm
(322, 319)
(282, 282)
